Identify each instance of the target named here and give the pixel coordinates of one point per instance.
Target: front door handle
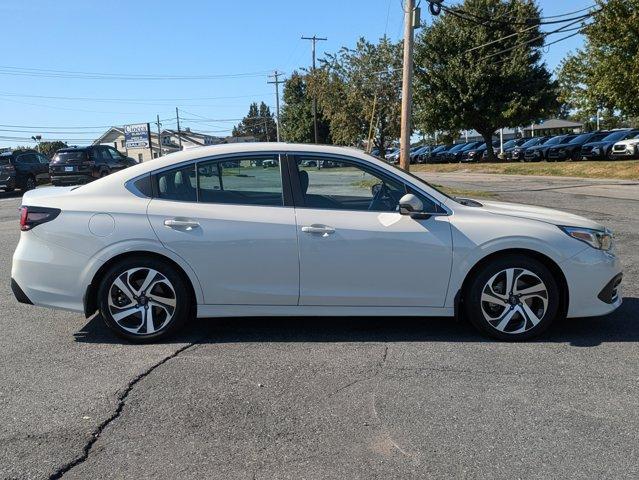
(321, 229)
(180, 224)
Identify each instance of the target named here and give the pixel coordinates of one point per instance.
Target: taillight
(30, 217)
(9, 168)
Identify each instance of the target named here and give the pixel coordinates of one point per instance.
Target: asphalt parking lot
(330, 398)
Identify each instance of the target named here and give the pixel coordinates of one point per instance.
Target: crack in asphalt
(86, 450)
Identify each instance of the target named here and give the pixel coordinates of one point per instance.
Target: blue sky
(190, 37)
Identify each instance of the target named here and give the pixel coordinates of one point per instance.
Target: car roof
(116, 181)
(72, 149)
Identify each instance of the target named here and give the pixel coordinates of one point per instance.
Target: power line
(51, 73)
(539, 37)
(140, 101)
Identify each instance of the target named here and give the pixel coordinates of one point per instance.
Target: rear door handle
(179, 224)
(320, 229)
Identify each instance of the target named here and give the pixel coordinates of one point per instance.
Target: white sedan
(212, 232)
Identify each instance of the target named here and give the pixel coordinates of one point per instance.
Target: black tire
(181, 313)
(474, 307)
(29, 184)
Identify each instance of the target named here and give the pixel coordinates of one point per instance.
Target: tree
(359, 87)
(495, 85)
(297, 113)
(49, 148)
(609, 62)
(258, 123)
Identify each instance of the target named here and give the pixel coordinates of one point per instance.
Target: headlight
(599, 239)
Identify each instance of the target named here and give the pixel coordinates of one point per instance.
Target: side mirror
(412, 206)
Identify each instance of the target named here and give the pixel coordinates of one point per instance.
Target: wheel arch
(555, 269)
(90, 295)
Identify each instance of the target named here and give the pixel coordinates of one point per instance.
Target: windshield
(469, 146)
(531, 143)
(457, 148)
(581, 138)
(614, 136)
(554, 140)
(441, 148)
(510, 143)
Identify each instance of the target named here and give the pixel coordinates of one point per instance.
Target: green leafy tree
(258, 123)
(49, 148)
(499, 84)
(605, 73)
(359, 87)
(297, 113)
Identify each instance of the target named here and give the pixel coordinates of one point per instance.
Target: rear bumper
(48, 275)
(71, 179)
(19, 294)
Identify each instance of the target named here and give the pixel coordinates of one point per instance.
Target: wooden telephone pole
(314, 39)
(407, 85)
(277, 81)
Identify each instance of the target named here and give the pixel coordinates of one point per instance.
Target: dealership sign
(137, 136)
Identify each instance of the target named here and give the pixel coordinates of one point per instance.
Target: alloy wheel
(141, 301)
(514, 300)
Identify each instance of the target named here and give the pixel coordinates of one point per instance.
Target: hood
(630, 141)
(542, 214)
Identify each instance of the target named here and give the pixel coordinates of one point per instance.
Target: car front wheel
(514, 298)
(144, 300)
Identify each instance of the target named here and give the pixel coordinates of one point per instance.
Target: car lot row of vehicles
(620, 144)
(24, 169)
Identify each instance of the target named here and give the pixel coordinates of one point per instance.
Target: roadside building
(170, 141)
(554, 126)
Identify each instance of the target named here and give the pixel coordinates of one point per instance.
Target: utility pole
(277, 81)
(159, 137)
(314, 39)
(407, 85)
(177, 116)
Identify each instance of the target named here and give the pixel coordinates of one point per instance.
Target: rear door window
(177, 184)
(241, 181)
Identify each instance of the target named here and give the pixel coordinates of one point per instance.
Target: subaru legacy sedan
(211, 232)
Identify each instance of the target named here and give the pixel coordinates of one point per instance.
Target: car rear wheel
(144, 300)
(29, 184)
(514, 298)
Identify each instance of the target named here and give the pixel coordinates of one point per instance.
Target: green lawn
(624, 170)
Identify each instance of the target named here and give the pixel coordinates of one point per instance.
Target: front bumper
(594, 282)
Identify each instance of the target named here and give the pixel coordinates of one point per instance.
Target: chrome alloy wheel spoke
(514, 300)
(142, 301)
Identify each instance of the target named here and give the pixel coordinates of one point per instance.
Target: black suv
(572, 149)
(23, 169)
(602, 149)
(75, 165)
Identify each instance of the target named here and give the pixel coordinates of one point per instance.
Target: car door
(233, 222)
(117, 161)
(356, 249)
(42, 168)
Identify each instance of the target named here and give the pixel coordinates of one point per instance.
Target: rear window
(70, 156)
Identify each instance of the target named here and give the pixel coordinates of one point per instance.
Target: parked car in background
(508, 147)
(572, 149)
(23, 169)
(540, 152)
(476, 154)
(626, 149)
(302, 242)
(414, 154)
(455, 154)
(517, 153)
(602, 149)
(77, 165)
(422, 154)
(439, 154)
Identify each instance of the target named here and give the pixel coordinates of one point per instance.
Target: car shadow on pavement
(620, 326)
